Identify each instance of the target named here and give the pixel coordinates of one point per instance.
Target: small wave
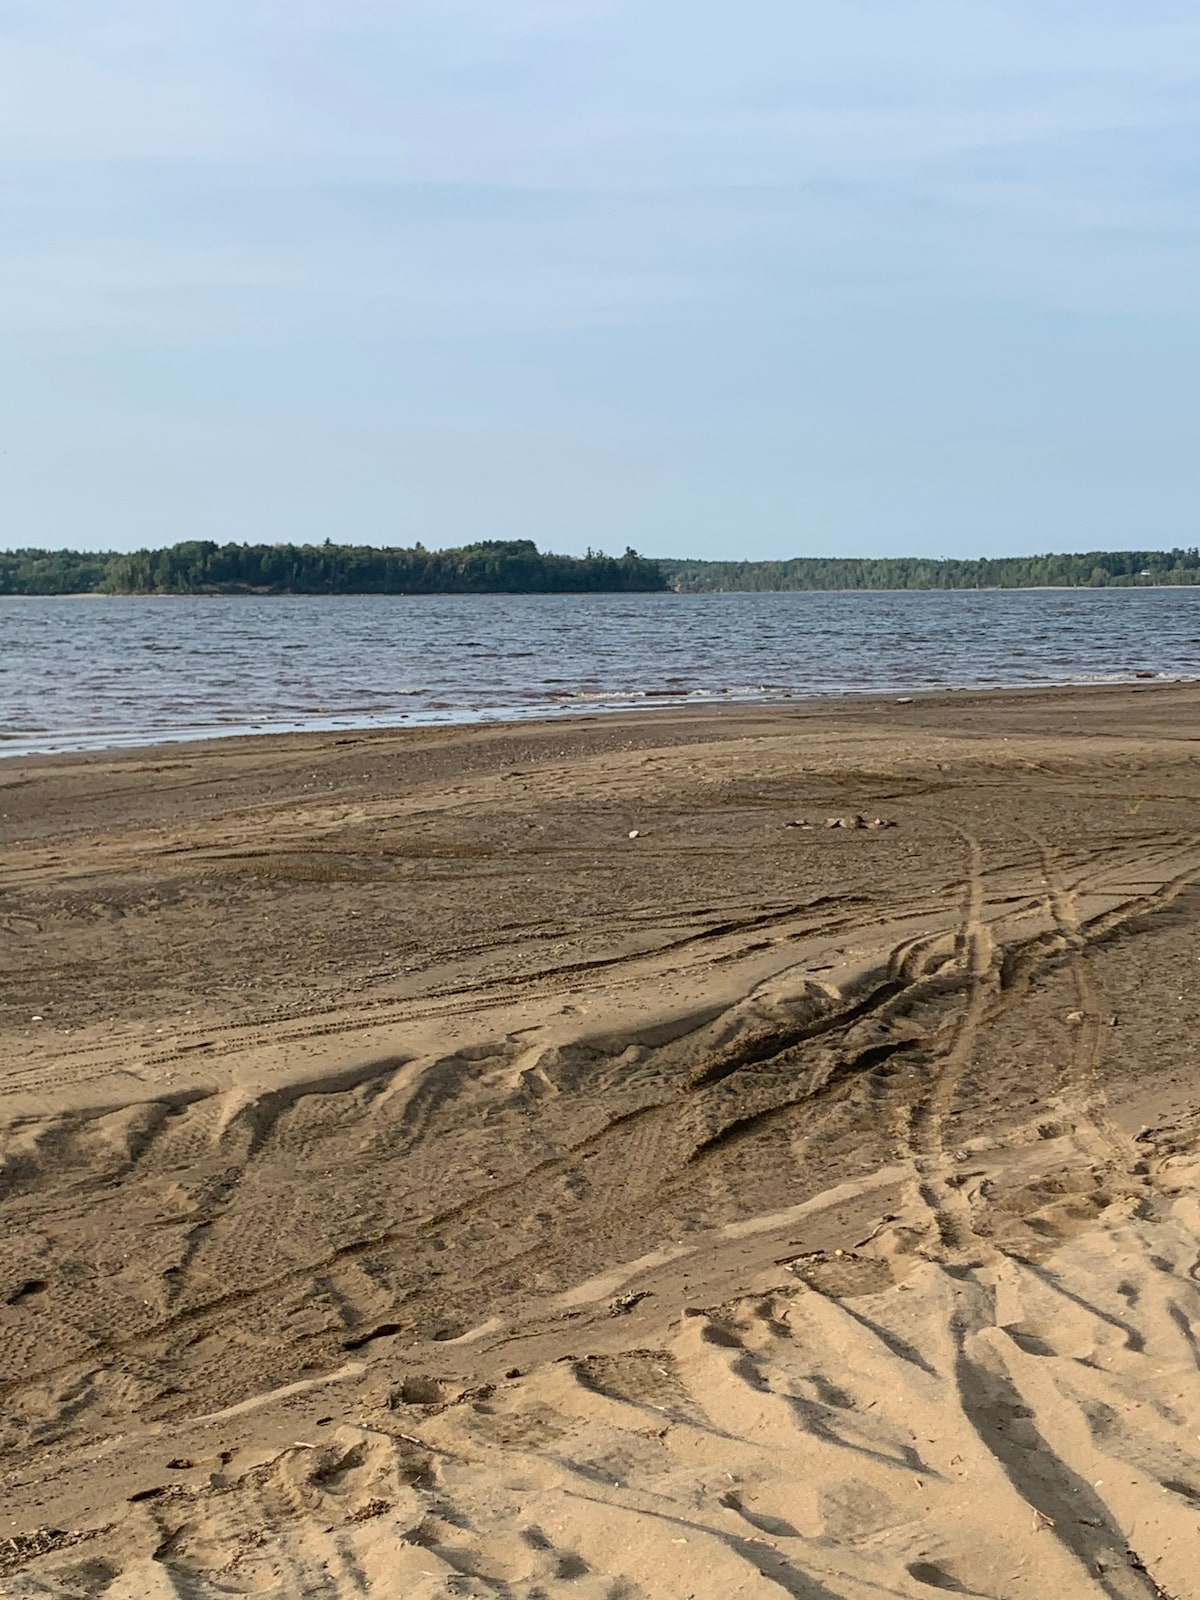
(130, 673)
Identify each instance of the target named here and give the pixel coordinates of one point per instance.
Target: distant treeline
(1098, 569)
(509, 566)
(516, 566)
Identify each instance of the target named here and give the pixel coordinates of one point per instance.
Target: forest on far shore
(1097, 569)
(516, 566)
(199, 566)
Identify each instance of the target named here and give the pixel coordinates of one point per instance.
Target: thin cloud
(639, 225)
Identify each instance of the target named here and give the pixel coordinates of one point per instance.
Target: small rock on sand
(625, 1303)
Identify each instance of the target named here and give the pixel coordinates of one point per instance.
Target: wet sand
(548, 1159)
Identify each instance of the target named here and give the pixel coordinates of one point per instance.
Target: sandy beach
(541, 1160)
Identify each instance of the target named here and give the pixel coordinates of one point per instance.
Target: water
(88, 674)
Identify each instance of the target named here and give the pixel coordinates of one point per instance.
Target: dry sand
(415, 1184)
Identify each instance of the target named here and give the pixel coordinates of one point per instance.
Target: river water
(87, 673)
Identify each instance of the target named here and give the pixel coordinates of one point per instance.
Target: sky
(790, 277)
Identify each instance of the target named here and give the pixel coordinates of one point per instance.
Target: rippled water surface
(89, 673)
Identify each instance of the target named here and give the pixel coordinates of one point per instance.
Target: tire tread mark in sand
(1023, 958)
(438, 1086)
(650, 1125)
(373, 1012)
(254, 1120)
(1111, 922)
(733, 919)
(216, 1308)
(370, 1012)
(909, 967)
(656, 1124)
(741, 1127)
(925, 1115)
(1085, 1075)
(769, 1043)
(928, 1126)
(1075, 935)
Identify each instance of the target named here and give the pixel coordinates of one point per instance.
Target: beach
(549, 1158)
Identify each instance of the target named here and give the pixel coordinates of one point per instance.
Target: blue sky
(860, 276)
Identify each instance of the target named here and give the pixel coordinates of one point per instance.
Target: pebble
(635, 833)
(626, 1302)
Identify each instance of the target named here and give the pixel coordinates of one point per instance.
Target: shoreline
(483, 594)
(662, 703)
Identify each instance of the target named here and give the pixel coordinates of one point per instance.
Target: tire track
(922, 1127)
(1085, 1078)
(641, 1150)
